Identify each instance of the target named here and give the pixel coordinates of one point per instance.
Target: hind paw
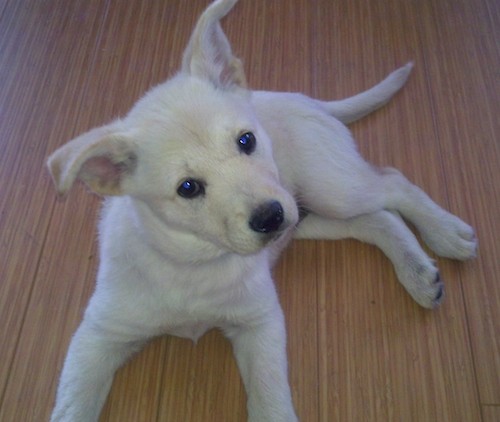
(451, 238)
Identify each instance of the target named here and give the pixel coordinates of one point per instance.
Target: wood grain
(491, 413)
(40, 94)
(359, 348)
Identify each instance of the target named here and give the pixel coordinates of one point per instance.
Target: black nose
(267, 218)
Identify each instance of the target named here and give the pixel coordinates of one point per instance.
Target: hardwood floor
(359, 348)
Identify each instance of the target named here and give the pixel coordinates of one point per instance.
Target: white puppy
(203, 180)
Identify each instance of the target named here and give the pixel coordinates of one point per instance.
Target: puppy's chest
(198, 306)
(193, 298)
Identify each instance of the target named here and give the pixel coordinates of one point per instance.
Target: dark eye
(247, 143)
(191, 188)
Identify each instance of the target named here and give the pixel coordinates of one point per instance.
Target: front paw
(421, 280)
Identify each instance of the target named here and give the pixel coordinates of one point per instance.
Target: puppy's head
(192, 151)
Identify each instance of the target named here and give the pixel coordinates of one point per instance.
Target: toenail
(439, 296)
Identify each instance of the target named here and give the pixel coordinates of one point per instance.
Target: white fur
(181, 266)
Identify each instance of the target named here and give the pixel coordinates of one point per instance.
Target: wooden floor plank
(37, 88)
(205, 374)
(64, 283)
(466, 109)
(491, 413)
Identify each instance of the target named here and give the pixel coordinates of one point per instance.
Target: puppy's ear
(208, 54)
(102, 158)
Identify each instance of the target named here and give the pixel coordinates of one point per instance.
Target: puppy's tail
(353, 108)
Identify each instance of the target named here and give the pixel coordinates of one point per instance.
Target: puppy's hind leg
(444, 233)
(415, 270)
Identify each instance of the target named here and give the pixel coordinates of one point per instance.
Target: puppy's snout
(267, 218)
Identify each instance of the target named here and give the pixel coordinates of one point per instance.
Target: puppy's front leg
(260, 351)
(92, 359)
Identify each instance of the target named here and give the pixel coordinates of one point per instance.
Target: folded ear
(102, 158)
(208, 54)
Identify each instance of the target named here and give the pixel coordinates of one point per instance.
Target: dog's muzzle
(267, 218)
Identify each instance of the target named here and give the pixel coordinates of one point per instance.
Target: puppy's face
(192, 150)
(205, 166)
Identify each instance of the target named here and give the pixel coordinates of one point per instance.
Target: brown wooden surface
(359, 348)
